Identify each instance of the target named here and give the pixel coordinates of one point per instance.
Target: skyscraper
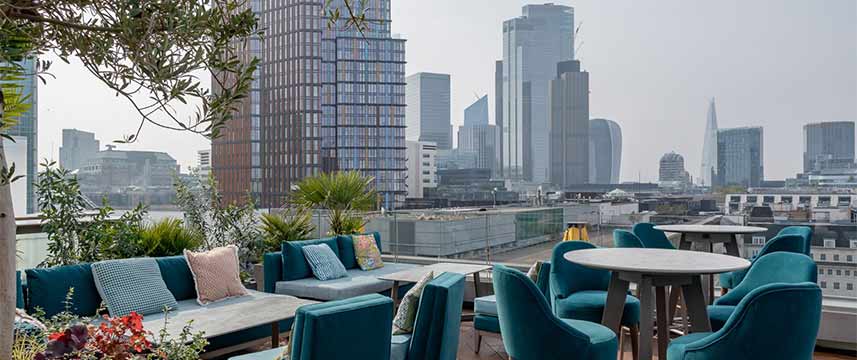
(532, 46)
(78, 147)
(477, 113)
(428, 112)
(828, 145)
(740, 157)
(422, 167)
(671, 170)
(605, 151)
(708, 169)
(498, 114)
(569, 132)
(27, 127)
(324, 99)
(477, 136)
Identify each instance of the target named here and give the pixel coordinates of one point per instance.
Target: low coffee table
(414, 275)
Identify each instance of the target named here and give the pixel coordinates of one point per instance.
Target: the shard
(709, 148)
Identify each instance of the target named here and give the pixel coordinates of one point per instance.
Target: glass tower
(739, 157)
(828, 145)
(28, 127)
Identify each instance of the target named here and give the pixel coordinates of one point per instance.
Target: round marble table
(710, 235)
(655, 269)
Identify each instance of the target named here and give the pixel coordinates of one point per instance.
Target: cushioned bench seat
(357, 283)
(485, 305)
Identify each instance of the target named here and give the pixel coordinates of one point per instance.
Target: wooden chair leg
(622, 344)
(478, 341)
(635, 341)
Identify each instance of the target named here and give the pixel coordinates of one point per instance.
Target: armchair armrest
(272, 264)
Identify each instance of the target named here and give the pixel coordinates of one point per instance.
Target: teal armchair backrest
(530, 329)
(776, 321)
(436, 328)
(804, 231)
(651, 237)
(567, 278)
(787, 242)
(626, 239)
(777, 267)
(356, 328)
(544, 280)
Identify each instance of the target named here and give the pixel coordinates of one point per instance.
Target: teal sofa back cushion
(295, 266)
(346, 249)
(47, 289)
(436, 329)
(177, 276)
(19, 291)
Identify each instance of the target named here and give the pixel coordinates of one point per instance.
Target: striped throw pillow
(323, 262)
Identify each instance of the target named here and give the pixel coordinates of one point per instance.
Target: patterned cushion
(403, 323)
(533, 272)
(215, 274)
(367, 252)
(26, 325)
(122, 282)
(324, 263)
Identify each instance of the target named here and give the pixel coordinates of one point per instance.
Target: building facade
(828, 145)
(27, 127)
(115, 170)
(429, 110)
(498, 114)
(532, 46)
(740, 157)
(569, 125)
(708, 168)
(422, 167)
(671, 170)
(203, 162)
(323, 99)
(480, 137)
(78, 147)
(477, 113)
(605, 151)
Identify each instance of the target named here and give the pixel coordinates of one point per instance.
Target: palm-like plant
(342, 194)
(168, 237)
(288, 226)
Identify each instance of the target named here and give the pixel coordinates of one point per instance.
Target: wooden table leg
(696, 308)
(663, 322)
(476, 285)
(732, 246)
(647, 307)
(616, 293)
(275, 335)
(710, 294)
(683, 244)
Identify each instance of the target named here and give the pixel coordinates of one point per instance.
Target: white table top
(656, 261)
(415, 274)
(711, 229)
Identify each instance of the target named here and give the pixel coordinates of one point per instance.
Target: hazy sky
(653, 66)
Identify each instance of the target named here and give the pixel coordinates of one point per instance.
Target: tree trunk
(7, 259)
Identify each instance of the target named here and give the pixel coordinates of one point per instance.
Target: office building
(324, 99)
(480, 137)
(27, 127)
(477, 113)
(605, 151)
(671, 172)
(828, 145)
(203, 162)
(498, 114)
(78, 147)
(422, 168)
(569, 130)
(532, 46)
(429, 110)
(115, 170)
(457, 159)
(740, 157)
(708, 169)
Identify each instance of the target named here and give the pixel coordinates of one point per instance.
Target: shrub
(291, 225)
(167, 237)
(342, 194)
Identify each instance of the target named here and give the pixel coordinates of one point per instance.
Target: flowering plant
(119, 338)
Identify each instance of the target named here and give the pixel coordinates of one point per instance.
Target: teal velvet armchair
(804, 231)
(531, 331)
(359, 326)
(778, 267)
(651, 237)
(578, 292)
(436, 329)
(776, 321)
(785, 242)
(626, 239)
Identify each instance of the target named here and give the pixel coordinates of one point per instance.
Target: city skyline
(748, 83)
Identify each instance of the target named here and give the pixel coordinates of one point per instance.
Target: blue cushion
(589, 306)
(346, 249)
(47, 289)
(177, 276)
(485, 305)
(19, 291)
(399, 345)
(602, 340)
(324, 262)
(295, 265)
(122, 282)
(718, 314)
(486, 323)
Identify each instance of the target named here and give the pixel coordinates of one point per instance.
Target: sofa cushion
(486, 323)
(589, 305)
(120, 282)
(403, 322)
(485, 305)
(367, 252)
(295, 265)
(48, 288)
(324, 263)
(19, 291)
(346, 249)
(216, 274)
(177, 276)
(358, 282)
(399, 345)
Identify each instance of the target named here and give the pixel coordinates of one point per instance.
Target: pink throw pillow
(215, 274)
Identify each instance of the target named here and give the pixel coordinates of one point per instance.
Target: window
(847, 272)
(835, 257)
(822, 257)
(838, 272)
(820, 271)
(849, 258)
(734, 199)
(804, 200)
(835, 286)
(758, 240)
(829, 243)
(853, 244)
(829, 271)
(824, 284)
(752, 199)
(849, 286)
(844, 201)
(767, 200)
